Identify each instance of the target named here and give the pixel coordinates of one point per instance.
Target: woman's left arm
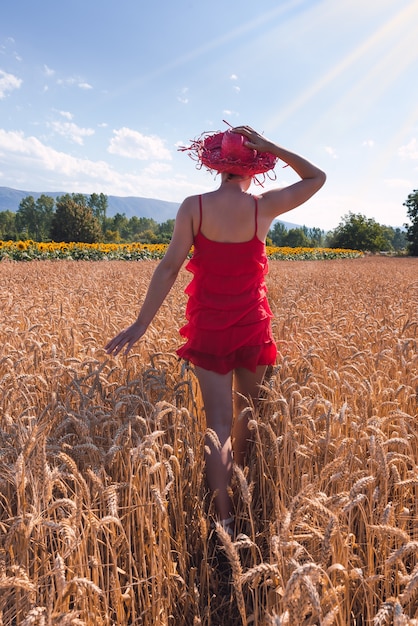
(278, 201)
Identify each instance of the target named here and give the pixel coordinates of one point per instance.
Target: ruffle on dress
(228, 314)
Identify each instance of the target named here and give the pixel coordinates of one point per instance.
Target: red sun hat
(227, 152)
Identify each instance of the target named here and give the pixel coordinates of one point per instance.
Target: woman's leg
(247, 391)
(216, 392)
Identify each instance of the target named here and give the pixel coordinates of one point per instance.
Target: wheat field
(105, 517)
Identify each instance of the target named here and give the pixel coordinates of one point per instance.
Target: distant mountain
(159, 210)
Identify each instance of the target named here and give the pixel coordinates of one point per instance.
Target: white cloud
(4, 49)
(157, 168)
(133, 145)
(71, 131)
(38, 167)
(230, 113)
(410, 150)
(234, 77)
(66, 114)
(66, 81)
(8, 82)
(183, 96)
(74, 80)
(20, 151)
(331, 151)
(48, 71)
(15, 146)
(368, 143)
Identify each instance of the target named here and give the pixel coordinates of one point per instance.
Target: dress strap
(200, 211)
(256, 216)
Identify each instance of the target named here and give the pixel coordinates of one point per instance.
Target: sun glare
(396, 37)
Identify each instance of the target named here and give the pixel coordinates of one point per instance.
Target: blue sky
(97, 96)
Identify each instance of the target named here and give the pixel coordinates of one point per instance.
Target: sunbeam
(398, 37)
(208, 48)
(389, 152)
(404, 54)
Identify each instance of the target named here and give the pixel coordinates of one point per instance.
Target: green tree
(112, 236)
(395, 238)
(98, 204)
(399, 241)
(296, 238)
(165, 231)
(143, 229)
(278, 234)
(144, 223)
(357, 232)
(412, 228)
(316, 237)
(33, 219)
(119, 223)
(74, 221)
(148, 236)
(79, 198)
(8, 225)
(45, 207)
(26, 218)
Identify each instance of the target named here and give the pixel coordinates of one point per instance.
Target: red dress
(228, 315)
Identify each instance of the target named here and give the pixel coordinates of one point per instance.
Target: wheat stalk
(101, 459)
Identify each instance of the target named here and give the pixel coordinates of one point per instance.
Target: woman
(228, 331)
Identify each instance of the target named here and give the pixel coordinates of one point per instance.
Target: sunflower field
(30, 250)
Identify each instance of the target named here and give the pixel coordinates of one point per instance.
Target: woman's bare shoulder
(189, 204)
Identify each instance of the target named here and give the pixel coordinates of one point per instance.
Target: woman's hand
(255, 140)
(125, 339)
